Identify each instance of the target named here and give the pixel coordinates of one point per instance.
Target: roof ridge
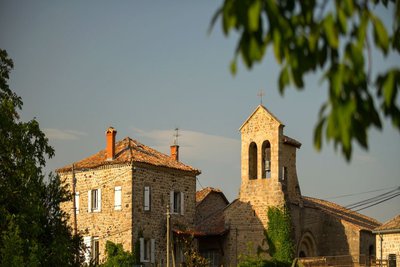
(347, 214)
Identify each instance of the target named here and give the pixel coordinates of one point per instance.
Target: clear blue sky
(146, 67)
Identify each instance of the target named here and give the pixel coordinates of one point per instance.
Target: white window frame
(87, 241)
(95, 253)
(93, 196)
(147, 250)
(177, 202)
(118, 198)
(147, 198)
(76, 202)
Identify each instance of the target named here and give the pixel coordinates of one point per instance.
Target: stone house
(269, 178)
(388, 241)
(121, 195)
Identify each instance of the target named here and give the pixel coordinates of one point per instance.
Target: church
(123, 192)
(269, 178)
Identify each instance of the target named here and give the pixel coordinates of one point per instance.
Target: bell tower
(268, 163)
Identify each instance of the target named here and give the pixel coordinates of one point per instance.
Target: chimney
(175, 152)
(110, 139)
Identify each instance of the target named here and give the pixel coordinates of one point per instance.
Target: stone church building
(269, 178)
(122, 193)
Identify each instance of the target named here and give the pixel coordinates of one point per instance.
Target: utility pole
(168, 238)
(381, 236)
(74, 198)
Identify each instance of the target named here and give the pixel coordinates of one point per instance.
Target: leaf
(253, 14)
(284, 79)
(233, 67)
(330, 31)
(388, 87)
(276, 36)
(342, 20)
(381, 37)
(318, 134)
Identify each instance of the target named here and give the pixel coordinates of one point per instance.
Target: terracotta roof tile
(202, 194)
(127, 151)
(360, 220)
(212, 225)
(392, 224)
(290, 141)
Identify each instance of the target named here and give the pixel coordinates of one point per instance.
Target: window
(117, 198)
(92, 251)
(266, 159)
(77, 202)
(284, 174)
(95, 250)
(146, 201)
(213, 257)
(147, 250)
(177, 202)
(253, 161)
(94, 200)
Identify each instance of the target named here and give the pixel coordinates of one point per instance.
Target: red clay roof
(202, 194)
(392, 224)
(290, 141)
(360, 220)
(212, 225)
(127, 151)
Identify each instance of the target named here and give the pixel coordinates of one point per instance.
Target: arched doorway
(307, 247)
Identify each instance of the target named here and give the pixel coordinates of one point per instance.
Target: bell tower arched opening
(266, 159)
(253, 161)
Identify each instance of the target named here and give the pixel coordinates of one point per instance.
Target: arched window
(266, 159)
(253, 161)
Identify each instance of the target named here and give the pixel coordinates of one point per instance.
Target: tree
(331, 37)
(117, 257)
(34, 229)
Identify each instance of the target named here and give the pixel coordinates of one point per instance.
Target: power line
(379, 202)
(373, 201)
(360, 193)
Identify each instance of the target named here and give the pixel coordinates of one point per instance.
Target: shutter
(87, 240)
(118, 198)
(182, 203)
(99, 199)
(141, 249)
(171, 201)
(152, 251)
(146, 198)
(77, 202)
(89, 201)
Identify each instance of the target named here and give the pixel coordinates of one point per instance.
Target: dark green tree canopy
(34, 230)
(333, 37)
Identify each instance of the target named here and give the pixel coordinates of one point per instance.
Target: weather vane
(176, 135)
(260, 94)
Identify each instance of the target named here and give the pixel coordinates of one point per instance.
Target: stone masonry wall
(212, 203)
(153, 223)
(390, 245)
(107, 224)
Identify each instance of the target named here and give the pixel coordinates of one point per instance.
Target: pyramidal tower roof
(255, 111)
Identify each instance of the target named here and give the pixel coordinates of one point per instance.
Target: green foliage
(192, 258)
(34, 230)
(117, 257)
(281, 247)
(307, 36)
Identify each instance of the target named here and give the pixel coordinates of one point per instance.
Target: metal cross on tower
(260, 94)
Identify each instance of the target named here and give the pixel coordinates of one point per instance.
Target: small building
(388, 242)
(121, 195)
